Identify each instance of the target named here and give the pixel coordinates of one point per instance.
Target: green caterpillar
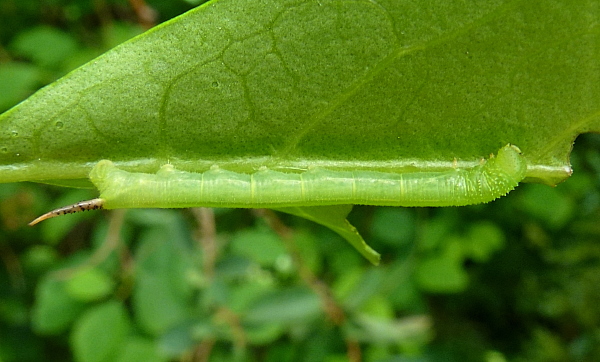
(170, 188)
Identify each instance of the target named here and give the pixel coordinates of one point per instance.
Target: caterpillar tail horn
(94, 204)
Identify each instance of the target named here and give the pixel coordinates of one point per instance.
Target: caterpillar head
(510, 161)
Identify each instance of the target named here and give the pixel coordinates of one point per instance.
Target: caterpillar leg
(94, 204)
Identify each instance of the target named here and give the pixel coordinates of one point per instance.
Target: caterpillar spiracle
(171, 188)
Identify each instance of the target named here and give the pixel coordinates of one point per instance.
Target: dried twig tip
(94, 204)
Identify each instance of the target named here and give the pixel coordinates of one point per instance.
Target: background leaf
(55, 309)
(100, 333)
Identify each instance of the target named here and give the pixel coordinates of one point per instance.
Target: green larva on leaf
(170, 188)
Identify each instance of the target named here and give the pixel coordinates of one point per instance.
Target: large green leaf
(391, 85)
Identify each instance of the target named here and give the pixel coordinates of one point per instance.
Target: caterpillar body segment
(171, 188)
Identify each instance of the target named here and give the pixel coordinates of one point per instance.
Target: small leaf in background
(547, 204)
(378, 306)
(217, 292)
(346, 283)
(233, 267)
(399, 285)
(54, 309)
(162, 293)
(582, 187)
(17, 80)
(81, 57)
(340, 257)
(39, 259)
(45, 46)
(244, 294)
(285, 306)
(308, 250)
(177, 341)
(89, 285)
(366, 288)
(482, 240)
(436, 230)
(414, 330)
(260, 244)
(443, 273)
(140, 349)
(100, 333)
(156, 307)
(394, 225)
(264, 334)
(116, 33)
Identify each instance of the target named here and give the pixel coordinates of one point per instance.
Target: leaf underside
(380, 85)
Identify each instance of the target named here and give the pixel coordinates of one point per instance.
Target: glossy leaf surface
(383, 85)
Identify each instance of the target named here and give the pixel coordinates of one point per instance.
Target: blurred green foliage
(517, 279)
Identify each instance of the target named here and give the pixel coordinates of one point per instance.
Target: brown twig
(205, 217)
(207, 240)
(203, 350)
(353, 350)
(237, 331)
(146, 15)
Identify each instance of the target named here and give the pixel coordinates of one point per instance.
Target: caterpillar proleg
(171, 188)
